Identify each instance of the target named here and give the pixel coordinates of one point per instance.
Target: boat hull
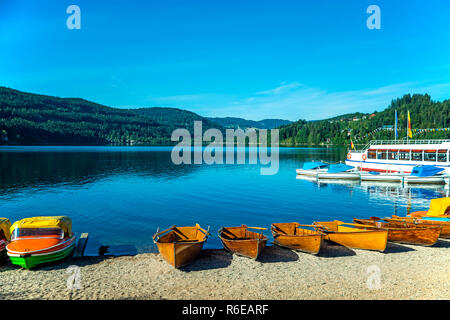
(310, 173)
(179, 246)
(242, 242)
(445, 226)
(179, 254)
(382, 177)
(424, 180)
(29, 261)
(406, 233)
(340, 175)
(289, 235)
(355, 238)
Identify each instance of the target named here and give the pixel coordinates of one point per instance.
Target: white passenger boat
(394, 156)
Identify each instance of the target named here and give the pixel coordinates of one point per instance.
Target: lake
(120, 195)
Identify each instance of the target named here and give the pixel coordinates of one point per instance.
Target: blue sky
(308, 59)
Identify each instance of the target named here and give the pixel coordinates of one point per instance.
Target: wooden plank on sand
(79, 250)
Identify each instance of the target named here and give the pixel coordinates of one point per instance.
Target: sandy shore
(406, 272)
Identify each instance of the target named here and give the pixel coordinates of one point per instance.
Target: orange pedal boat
(39, 240)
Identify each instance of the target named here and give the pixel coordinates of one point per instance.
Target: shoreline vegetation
(405, 272)
(33, 119)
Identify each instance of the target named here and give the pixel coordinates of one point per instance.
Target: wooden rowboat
(445, 226)
(180, 245)
(241, 241)
(353, 236)
(293, 236)
(408, 233)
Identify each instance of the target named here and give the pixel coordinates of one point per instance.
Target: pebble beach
(401, 272)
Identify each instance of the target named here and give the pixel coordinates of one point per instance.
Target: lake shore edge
(402, 272)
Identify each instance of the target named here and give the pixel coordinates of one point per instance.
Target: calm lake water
(120, 195)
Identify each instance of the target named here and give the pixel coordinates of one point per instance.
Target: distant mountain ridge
(235, 123)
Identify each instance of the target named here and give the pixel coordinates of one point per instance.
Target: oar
(161, 232)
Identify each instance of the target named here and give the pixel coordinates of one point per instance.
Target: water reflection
(406, 195)
(30, 168)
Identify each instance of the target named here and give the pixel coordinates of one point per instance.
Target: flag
(351, 144)
(409, 126)
(396, 133)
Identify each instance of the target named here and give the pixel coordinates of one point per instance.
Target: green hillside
(31, 119)
(425, 113)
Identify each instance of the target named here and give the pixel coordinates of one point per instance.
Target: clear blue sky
(260, 59)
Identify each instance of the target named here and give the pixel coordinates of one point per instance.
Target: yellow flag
(409, 126)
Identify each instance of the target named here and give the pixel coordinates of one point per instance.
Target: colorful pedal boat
(180, 245)
(439, 208)
(40, 240)
(5, 236)
(295, 236)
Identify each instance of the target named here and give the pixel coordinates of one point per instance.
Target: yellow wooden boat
(353, 235)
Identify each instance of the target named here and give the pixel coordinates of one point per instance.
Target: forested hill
(425, 114)
(236, 123)
(32, 119)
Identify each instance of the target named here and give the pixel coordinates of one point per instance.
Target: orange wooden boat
(445, 226)
(180, 245)
(241, 241)
(294, 236)
(408, 233)
(353, 236)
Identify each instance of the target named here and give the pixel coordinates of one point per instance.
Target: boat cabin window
(37, 233)
(442, 155)
(404, 155)
(430, 155)
(417, 155)
(372, 154)
(382, 154)
(393, 155)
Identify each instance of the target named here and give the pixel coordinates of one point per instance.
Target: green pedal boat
(39, 240)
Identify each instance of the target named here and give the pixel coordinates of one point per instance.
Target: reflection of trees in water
(33, 169)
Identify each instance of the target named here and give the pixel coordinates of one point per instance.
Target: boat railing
(399, 142)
